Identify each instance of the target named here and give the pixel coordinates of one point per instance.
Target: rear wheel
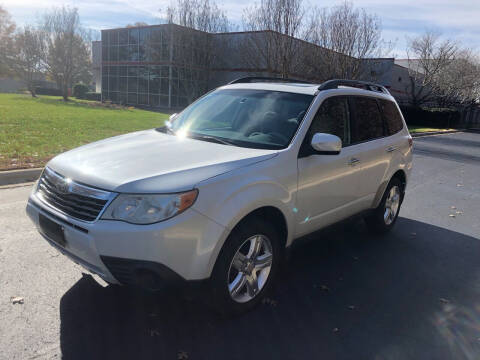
(246, 266)
(385, 215)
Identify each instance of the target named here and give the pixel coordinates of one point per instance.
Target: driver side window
(333, 118)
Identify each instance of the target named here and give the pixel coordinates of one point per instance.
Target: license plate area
(52, 230)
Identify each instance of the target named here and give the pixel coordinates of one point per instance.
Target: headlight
(149, 208)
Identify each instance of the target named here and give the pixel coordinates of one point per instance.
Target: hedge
(93, 96)
(47, 91)
(431, 117)
(80, 91)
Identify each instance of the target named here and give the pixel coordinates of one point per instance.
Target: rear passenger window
(368, 122)
(392, 117)
(333, 118)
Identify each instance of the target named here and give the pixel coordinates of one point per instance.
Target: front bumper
(181, 248)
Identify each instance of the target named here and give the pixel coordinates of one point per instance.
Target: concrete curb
(436, 133)
(19, 176)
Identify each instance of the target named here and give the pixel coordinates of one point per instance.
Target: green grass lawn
(34, 130)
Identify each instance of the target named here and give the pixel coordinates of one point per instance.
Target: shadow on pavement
(345, 295)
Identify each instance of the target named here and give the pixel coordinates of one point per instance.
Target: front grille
(73, 199)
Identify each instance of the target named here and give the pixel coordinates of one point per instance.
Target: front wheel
(385, 215)
(246, 266)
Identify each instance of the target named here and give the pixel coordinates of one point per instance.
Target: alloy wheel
(250, 268)
(392, 204)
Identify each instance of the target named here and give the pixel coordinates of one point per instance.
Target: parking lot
(411, 294)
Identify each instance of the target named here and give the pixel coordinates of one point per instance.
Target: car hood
(152, 162)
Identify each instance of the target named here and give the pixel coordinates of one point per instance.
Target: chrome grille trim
(79, 201)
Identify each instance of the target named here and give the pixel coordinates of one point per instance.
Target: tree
(26, 60)
(137, 24)
(68, 54)
(192, 48)
(428, 58)
(345, 37)
(459, 82)
(276, 49)
(203, 15)
(7, 29)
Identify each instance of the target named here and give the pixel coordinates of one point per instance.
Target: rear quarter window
(392, 117)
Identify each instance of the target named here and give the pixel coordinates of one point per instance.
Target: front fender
(227, 199)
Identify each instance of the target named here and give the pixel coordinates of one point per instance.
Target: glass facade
(152, 66)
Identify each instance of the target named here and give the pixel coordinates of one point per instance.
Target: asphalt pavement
(411, 294)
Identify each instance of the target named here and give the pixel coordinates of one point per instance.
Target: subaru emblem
(63, 187)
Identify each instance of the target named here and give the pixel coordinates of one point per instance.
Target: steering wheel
(274, 135)
(283, 139)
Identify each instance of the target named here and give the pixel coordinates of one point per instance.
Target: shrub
(93, 96)
(431, 117)
(47, 91)
(80, 91)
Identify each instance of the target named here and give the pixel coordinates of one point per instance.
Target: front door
(328, 184)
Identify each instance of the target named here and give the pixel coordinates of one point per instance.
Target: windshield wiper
(166, 130)
(211, 139)
(170, 131)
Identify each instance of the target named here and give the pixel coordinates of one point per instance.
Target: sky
(454, 19)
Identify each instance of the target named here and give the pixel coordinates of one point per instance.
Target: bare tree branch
(276, 49)
(27, 56)
(193, 49)
(68, 52)
(7, 29)
(346, 36)
(428, 58)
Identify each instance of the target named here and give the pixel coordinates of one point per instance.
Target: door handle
(353, 161)
(391, 149)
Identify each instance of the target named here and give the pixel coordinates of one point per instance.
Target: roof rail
(252, 79)
(334, 84)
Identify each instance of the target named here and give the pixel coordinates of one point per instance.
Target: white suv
(224, 189)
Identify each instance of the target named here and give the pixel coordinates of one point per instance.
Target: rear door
(393, 126)
(369, 137)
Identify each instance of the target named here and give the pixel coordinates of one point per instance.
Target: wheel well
(272, 215)
(400, 175)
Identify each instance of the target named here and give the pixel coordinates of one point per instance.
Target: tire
(234, 275)
(384, 217)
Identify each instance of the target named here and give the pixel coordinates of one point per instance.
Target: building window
(113, 38)
(132, 98)
(123, 37)
(123, 84)
(132, 53)
(133, 36)
(123, 53)
(154, 100)
(399, 79)
(132, 84)
(143, 35)
(113, 53)
(143, 99)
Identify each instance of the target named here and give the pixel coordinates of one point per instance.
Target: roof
(298, 88)
(307, 89)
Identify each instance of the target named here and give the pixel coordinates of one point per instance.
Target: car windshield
(244, 117)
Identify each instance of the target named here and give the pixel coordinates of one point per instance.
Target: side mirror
(170, 120)
(326, 144)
